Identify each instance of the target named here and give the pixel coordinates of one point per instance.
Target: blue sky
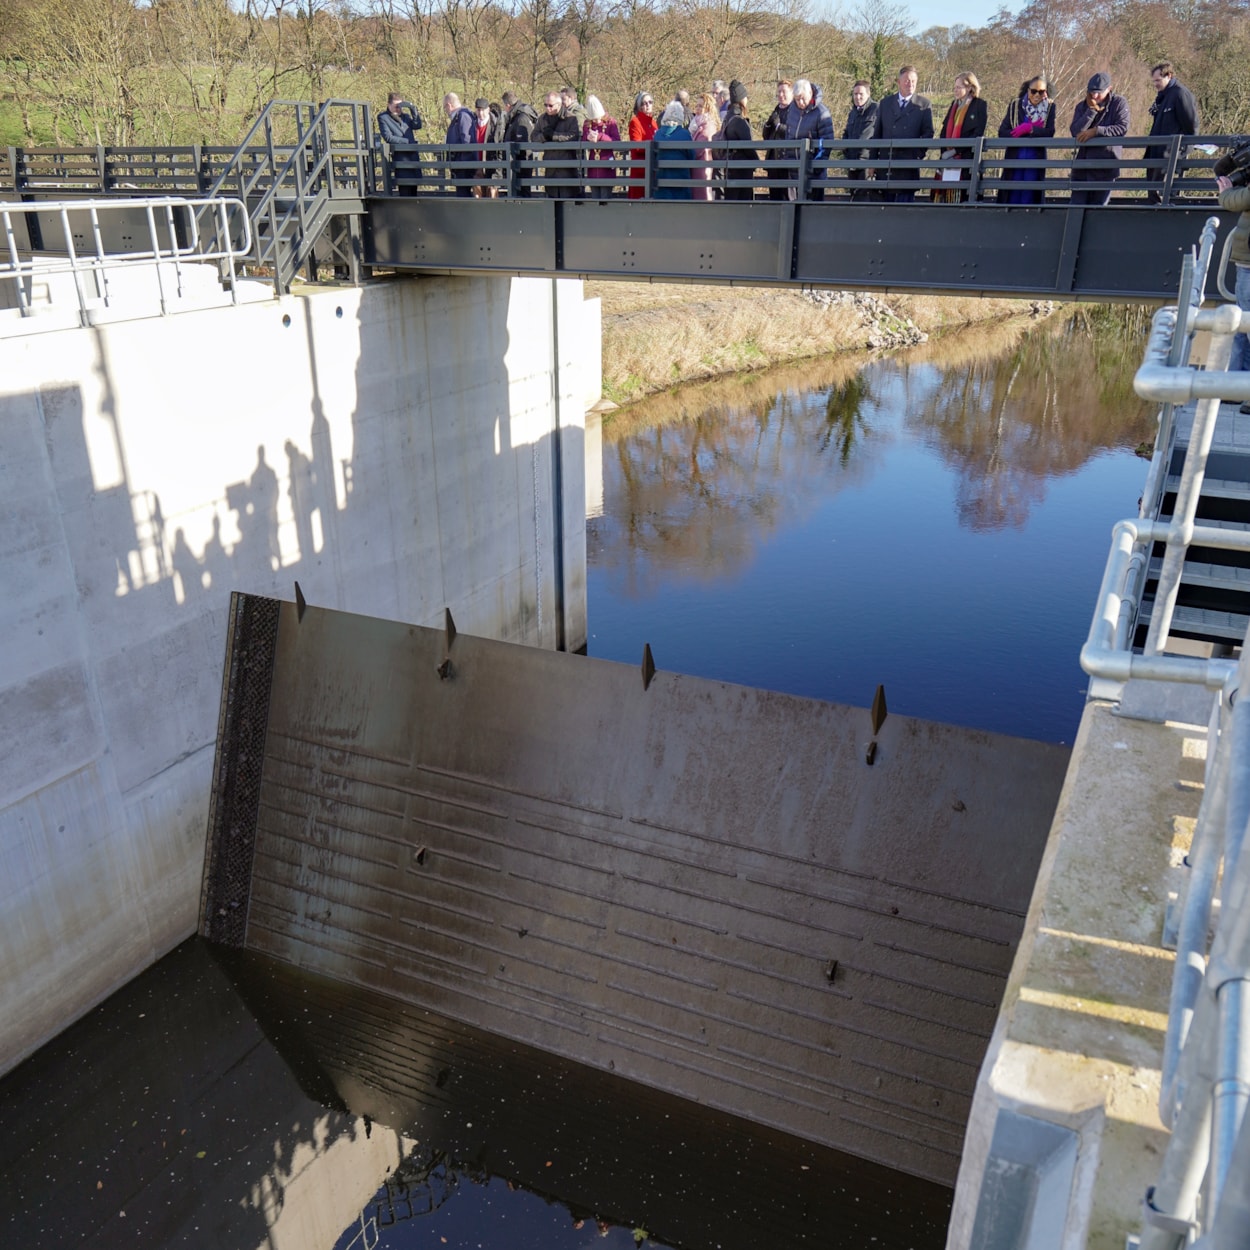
(926, 13)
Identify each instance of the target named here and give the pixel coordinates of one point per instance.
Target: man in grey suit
(902, 116)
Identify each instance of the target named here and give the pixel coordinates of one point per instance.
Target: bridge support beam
(1130, 254)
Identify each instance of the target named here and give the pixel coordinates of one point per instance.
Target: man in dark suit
(902, 116)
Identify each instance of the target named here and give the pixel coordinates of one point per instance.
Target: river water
(935, 521)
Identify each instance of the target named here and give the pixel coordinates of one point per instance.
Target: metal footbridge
(322, 194)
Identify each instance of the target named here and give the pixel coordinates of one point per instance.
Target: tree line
(121, 72)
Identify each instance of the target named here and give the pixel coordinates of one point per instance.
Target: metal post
(1231, 1092)
(23, 302)
(98, 243)
(1195, 918)
(156, 258)
(1175, 1196)
(1169, 170)
(73, 265)
(804, 171)
(974, 173)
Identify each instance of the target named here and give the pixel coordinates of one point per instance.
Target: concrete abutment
(397, 449)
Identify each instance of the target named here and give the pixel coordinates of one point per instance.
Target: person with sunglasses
(642, 129)
(1030, 116)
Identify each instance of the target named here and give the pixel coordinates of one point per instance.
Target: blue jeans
(1241, 344)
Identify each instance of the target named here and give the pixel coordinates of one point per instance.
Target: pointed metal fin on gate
(449, 628)
(879, 710)
(648, 665)
(300, 603)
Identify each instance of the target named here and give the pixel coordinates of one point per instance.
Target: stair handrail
(1166, 376)
(184, 243)
(314, 181)
(1203, 1185)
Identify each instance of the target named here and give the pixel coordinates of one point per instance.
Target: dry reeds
(655, 337)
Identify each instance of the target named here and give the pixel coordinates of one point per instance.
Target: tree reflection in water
(696, 479)
(699, 476)
(1011, 419)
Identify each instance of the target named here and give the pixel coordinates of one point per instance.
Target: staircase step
(1229, 577)
(1215, 487)
(1200, 622)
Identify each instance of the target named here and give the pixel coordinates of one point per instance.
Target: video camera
(1235, 165)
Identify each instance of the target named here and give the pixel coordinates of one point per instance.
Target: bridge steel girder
(1116, 253)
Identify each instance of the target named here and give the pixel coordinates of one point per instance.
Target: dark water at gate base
(937, 522)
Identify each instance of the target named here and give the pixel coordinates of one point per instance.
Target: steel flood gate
(705, 888)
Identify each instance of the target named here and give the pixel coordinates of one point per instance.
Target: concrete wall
(391, 448)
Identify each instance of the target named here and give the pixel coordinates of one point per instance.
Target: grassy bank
(656, 336)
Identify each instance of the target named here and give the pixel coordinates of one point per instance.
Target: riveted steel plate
(696, 240)
(462, 234)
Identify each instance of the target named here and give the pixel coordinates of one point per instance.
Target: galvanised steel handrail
(1205, 1086)
(1165, 376)
(179, 217)
(1204, 1182)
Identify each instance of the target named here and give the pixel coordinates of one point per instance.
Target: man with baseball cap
(1101, 114)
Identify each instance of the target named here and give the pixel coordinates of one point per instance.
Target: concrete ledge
(1077, 1049)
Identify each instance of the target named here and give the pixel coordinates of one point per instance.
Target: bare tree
(879, 28)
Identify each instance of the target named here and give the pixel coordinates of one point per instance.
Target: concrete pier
(396, 449)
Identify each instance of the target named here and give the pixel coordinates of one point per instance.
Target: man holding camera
(399, 121)
(398, 124)
(1232, 175)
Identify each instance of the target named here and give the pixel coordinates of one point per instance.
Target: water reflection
(1009, 420)
(223, 1100)
(936, 520)
(702, 475)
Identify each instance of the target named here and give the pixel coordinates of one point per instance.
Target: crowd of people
(705, 156)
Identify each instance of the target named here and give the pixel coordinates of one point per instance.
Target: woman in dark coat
(738, 127)
(1031, 115)
(965, 119)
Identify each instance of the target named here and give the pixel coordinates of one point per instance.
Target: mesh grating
(251, 641)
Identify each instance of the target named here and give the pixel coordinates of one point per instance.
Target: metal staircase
(1213, 597)
(1195, 581)
(303, 171)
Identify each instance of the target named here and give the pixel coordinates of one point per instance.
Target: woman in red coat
(641, 129)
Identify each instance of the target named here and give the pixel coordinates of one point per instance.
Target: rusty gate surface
(700, 886)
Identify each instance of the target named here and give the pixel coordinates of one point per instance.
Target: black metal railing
(296, 149)
(1168, 170)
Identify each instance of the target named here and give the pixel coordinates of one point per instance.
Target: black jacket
(1174, 111)
(519, 122)
(561, 127)
(737, 129)
(975, 119)
(913, 122)
(775, 125)
(859, 125)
